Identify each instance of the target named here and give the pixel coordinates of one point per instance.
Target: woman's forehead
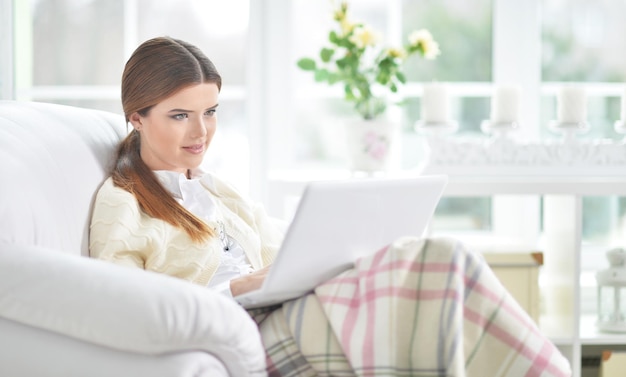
(191, 97)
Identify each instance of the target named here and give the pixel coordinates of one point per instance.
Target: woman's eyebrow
(191, 111)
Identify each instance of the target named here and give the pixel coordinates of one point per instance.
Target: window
(314, 135)
(6, 49)
(73, 52)
(273, 116)
(70, 52)
(318, 116)
(583, 42)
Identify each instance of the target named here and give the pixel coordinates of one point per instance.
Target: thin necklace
(226, 241)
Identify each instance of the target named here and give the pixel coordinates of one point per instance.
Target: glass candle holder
(612, 293)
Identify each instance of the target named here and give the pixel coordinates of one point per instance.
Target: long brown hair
(157, 69)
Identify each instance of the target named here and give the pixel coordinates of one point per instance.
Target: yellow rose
(346, 26)
(340, 13)
(364, 36)
(396, 53)
(430, 48)
(424, 39)
(418, 36)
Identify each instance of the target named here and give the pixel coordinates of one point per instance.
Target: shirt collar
(190, 193)
(173, 181)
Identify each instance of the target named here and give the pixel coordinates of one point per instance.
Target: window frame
(268, 85)
(7, 60)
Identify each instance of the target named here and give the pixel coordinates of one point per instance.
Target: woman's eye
(210, 112)
(179, 116)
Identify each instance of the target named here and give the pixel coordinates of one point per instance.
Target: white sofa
(64, 314)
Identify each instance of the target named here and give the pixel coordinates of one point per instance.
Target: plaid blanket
(420, 307)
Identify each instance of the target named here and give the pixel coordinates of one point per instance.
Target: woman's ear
(135, 120)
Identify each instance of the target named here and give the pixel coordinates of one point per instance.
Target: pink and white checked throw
(420, 307)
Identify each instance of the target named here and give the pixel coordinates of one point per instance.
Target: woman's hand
(249, 282)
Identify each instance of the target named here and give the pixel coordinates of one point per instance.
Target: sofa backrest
(53, 158)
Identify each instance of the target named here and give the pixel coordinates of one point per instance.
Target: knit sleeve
(116, 231)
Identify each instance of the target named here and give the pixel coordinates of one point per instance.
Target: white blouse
(199, 201)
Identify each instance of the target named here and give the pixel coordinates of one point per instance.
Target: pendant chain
(226, 242)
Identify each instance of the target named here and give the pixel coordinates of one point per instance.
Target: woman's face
(176, 133)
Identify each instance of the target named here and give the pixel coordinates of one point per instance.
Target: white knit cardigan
(122, 233)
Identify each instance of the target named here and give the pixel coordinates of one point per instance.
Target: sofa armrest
(124, 308)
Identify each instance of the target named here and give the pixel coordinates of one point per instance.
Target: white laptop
(338, 222)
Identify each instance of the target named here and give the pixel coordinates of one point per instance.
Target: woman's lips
(195, 149)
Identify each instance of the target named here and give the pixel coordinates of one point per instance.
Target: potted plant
(368, 71)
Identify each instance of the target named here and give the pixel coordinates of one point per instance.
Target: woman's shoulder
(110, 195)
(108, 188)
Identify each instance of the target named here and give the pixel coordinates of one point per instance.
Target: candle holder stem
(436, 129)
(569, 130)
(498, 129)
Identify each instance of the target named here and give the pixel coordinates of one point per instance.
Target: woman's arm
(248, 283)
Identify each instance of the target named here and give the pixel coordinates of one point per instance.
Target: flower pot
(370, 144)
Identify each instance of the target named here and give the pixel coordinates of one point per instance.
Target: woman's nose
(200, 128)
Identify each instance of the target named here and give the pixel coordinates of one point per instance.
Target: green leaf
(321, 75)
(411, 49)
(332, 36)
(401, 77)
(333, 78)
(385, 63)
(307, 64)
(348, 93)
(351, 61)
(345, 42)
(326, 54)
(382, 78)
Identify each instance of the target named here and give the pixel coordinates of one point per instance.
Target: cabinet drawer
(519, 273)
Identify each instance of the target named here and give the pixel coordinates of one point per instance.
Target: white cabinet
(559, 238)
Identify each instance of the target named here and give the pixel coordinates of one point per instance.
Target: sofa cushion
(52, 160)
(126, 309)
(27, 351)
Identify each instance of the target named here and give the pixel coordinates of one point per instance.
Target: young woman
(418, 306)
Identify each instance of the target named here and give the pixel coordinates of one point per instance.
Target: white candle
(435, 107)
(623, 113)
(572, 105)
(505, 104)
